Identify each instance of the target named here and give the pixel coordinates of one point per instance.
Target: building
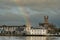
(38, 31)
(12, 29)
(50, 27)
(43, 29)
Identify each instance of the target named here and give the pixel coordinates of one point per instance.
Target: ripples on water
(28, 38)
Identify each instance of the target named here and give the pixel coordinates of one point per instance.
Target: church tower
(46, 23)
(46, 19)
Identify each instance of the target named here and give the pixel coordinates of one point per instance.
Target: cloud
(10, 12)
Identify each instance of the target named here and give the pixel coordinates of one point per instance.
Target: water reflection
(42, 38)
(28, 38)
(36, 38)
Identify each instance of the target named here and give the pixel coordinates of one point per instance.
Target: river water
(28, 38)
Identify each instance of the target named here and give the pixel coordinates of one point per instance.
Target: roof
(38, 27)
(13, 26)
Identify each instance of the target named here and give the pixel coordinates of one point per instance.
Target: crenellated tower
(45, 19)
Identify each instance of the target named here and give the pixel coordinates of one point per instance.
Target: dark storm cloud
(37, 9)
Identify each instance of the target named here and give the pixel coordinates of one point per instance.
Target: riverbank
(30, 35)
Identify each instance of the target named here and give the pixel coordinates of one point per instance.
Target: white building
(38, 31)
(41, 30)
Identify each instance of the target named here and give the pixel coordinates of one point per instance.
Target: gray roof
(41, 27)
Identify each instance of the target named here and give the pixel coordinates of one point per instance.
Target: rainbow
(26, 16)
(24, 13)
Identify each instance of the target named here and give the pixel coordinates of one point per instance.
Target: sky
(14, 12)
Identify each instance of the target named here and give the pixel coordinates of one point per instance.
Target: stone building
(12, 29)
(43, 28)
(38, 31)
